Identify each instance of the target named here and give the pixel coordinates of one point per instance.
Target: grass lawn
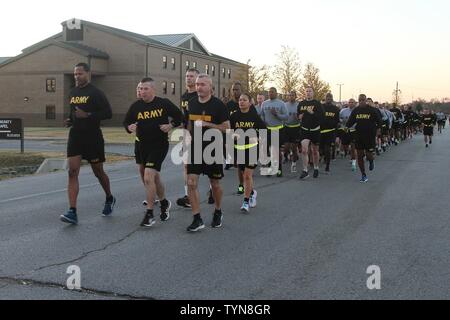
(110, 134)
(16, 161)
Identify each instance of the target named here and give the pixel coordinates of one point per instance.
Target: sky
(365, 45)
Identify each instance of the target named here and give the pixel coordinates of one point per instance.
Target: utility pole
(340, 91)
(397, 93)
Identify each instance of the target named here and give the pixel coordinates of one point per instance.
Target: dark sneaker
(228, 166)
(165, 214)
(316, 174)
(210, 197)
(109, 207)
(304, 176)
(184, 202)
(279, 174)
(196, 225)
(431, 142)
(377, 151)
(426, 146)
(148, 220)
(240, 190)
(327, 170)
(69, 217)
(217, 220)
(364, 179)
(371, 165)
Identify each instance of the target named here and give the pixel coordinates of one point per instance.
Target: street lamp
(340, 91)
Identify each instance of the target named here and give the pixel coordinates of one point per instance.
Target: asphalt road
(309, 239)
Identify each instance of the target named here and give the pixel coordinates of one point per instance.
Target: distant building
(35, 84)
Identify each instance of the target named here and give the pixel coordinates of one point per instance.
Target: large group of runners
(309, 131)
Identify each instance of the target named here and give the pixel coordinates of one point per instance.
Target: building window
(194, 65)
(207, 69)
(173, 63)
(223, 73)
(74, 32)
(50, 113)
(213, 71)
(187, 65)
(229, 73)
(164, 62)
(165, 87)
(51, 85)
(172, 85)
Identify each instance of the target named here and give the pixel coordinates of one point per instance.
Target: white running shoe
(245, 207)
(252, 202)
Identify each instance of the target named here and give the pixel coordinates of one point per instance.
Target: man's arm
(224, 126)
(318, 112)
(284, 114)
(351, 120)
(175, 113)
(129, 119)
(104, 111)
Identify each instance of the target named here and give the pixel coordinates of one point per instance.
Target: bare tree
(311, 79)
(258, 77)
(288, 70)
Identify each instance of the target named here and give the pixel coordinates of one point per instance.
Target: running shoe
(196, 225)
(217, 219)
(245, 207)
(165, 208)
(109, 207)
(304, 175)
(70, 217)
(253, 199)
(149, 220)
(184, 202)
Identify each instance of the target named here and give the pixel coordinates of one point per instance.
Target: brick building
(35, 84)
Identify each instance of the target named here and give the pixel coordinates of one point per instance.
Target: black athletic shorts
(385, 130)
(396, 126)
(340, 133)
(348, 138)
(213, 171)
(151, 157)
(428, 131)
(90, 147)
(246, 155)
(365, 142)
(328, 138)
(292, 135)
(313, 136)
(137, 152)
